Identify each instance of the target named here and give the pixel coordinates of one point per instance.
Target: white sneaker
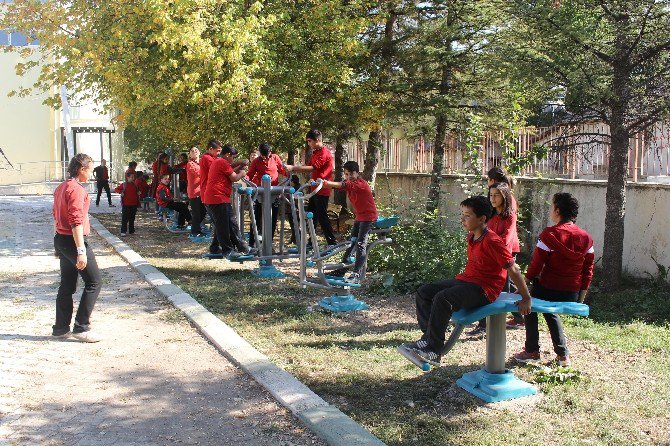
(86, 336)
(352, 278)
(63, 336)
(123, 234)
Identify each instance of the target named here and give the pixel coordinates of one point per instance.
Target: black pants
(318, 205)
(437, 301)
(359, 245)
(128, 219)
(258, 216)
(227, 231)
(183, 214)
(67, 252)
(198, 212)
(553, 320)
(103, 184)
(215, 246)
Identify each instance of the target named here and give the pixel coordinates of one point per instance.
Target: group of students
(560, 270)
(209, 187)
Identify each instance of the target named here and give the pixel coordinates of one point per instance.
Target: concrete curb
(325, 420)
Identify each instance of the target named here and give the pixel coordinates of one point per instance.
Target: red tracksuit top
(130, 194)
(71, 203)
(563, 258)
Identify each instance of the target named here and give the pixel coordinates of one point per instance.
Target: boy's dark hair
(163, 155)
(567, 206)
(77, 162)
(213, 144)
(228, 148)
(351, 166)
(314, 134)
(183, 156)
(129, 174)
(132, 164)
(295, 179)
(265, 149)
(480, 205)
(506, 193)
(499, 175)
(140, 174)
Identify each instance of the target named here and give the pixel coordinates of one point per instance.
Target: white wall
(647, 226)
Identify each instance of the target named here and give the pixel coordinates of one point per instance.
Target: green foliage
(555, 376)
(472, 155)
(423, 251)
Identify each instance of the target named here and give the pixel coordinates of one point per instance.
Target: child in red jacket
(361, 198)
(561, 270)
(164, 199)
(130, 199)
(143, 188)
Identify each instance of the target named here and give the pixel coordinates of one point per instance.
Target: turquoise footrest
(386, 222)
(494, 387)
(505, 304)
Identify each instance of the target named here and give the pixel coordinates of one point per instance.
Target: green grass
(350, 360)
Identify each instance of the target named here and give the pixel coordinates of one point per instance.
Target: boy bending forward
(489, 262)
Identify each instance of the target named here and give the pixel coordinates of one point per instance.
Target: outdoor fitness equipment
(266, 194)
(317, 259)
(494, 382)
(169, 218)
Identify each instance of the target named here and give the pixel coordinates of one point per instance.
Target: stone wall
(647, 222)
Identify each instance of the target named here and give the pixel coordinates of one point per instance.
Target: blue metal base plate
(494, 387)
(268, 272)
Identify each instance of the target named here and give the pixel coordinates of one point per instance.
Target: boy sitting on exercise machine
(489, 262)
(360, 195)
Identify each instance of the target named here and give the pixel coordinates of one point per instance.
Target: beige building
(32, 136)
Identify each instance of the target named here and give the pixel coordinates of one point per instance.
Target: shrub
(423, 251)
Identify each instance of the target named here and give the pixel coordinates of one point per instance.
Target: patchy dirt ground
(152, 380)
(350, 360)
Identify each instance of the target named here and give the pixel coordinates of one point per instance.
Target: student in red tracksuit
(561, 270)
(132, 166)
(159, 168)
(223, 173)
(489, 263)
(503, 223)
(193, 191)
(213, 150)
(70, 211)
(266, 163)
(130, 199)
(143, 188)
(164, 199)
(320, 166)
(181, 168)
(361, 198)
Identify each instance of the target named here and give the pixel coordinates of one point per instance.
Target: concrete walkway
(153, 380)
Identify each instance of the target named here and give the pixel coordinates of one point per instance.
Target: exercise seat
(494, 382)
(386, 222)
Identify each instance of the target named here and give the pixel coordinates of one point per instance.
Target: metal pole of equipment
(495, 343)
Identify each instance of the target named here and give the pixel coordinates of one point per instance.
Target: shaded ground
(350, 360)
(153, 379)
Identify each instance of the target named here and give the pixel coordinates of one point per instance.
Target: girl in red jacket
(130, 199)
(561, 270)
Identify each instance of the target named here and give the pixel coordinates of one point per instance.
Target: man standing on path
(70, 211)
(102, 182)
(320, 165)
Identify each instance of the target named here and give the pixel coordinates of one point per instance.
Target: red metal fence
(556, 152)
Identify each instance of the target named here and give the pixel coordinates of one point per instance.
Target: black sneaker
(418, 345)
(479, 330)
(429, 356)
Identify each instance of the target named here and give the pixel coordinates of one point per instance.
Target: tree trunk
(434, 190)
(372, 154)
(340, 157)
(290, 159)
(615, 197)
(433, 202)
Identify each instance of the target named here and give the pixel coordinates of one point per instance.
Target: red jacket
(193, 179)
(143, 187)
(271, 166)
(71, 203)
(163, 195)
(130, 193)
(563, 258)
(322, 162)
(182, 175)
(206, 160)
(219, 184)
(506, 229)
